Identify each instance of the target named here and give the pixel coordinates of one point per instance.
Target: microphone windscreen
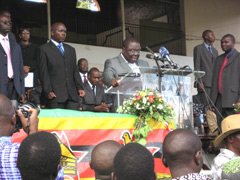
(163, 51)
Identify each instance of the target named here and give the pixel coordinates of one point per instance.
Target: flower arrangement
(237, 107)
(146, 104)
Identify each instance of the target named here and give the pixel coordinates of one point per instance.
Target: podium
(175, 87)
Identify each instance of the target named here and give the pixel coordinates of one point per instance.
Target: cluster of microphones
(164, 56)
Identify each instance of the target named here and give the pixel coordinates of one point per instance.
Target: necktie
(60, 48)
(93, 89)
(220, 74)
(85, 78)
(209, 49)
(9, 61)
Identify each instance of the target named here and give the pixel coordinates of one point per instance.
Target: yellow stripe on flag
(75, 123)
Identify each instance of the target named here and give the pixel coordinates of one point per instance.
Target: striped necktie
(60, 47)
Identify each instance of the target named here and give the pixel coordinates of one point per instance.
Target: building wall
(97, 55)
(221, 16)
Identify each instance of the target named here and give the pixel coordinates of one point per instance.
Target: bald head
(58, 32)
(7, 118)
(180, 148)
(102, 158)
(6, 108)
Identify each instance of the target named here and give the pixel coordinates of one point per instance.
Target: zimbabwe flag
(78, 132)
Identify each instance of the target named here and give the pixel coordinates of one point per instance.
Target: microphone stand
(160, 73)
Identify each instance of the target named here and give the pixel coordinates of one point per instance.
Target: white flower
(150, 93)
(137, 106)
(160, 106)
(148, 103)
(144, 100)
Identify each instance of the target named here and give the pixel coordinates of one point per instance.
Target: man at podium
(127, 61)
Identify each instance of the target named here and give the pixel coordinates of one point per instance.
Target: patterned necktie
(60, 48)
(85, 78)
(9, 61)
(220, 74)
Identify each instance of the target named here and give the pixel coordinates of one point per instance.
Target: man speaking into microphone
(126, 61)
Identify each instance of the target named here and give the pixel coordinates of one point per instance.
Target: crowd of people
(59, 83)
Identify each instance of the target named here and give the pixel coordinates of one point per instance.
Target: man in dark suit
(95, 98)
(226, 79)
(58, 71)
(8, 15)
(83, 69)
(204, 58)
(123, 63)
(11, 64)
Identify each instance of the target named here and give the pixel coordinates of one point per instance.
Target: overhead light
(91, 5)
(37, 1)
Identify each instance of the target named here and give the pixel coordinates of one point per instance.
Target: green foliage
(147, 104)
(237, 107)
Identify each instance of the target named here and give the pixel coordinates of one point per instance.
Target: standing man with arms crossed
(11, 64)
(226, 79)
(58, 71)
(204, 58)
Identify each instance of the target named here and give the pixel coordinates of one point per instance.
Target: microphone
(165, 54)
(152, 56)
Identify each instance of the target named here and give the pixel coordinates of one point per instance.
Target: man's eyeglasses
(133, 51)
(6, 22)
(25, 32)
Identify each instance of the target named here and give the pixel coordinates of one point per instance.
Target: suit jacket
(58, 73)
(89, 101)
(17, 64)
(204, 61)
(230, 80)
(115, 66)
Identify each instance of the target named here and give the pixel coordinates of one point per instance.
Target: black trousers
(223, 112)
(12, 93)
(63, 105)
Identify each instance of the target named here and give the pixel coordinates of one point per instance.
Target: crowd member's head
(94, 76)
(228, 43)
(58, 32)
(134, 162)
(131, 50)
(39, 157)
(182, 152)
(5, 25)
(5, 13)
(208, 36)
(83, 65)
(230, 136)
(102, 158)
(24, 34)
(231, 170)
(7, 116)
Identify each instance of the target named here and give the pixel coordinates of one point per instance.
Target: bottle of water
(201, 117)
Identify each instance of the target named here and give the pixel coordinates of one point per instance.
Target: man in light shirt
(83, 69)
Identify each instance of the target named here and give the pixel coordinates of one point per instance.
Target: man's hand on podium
(115, 82)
